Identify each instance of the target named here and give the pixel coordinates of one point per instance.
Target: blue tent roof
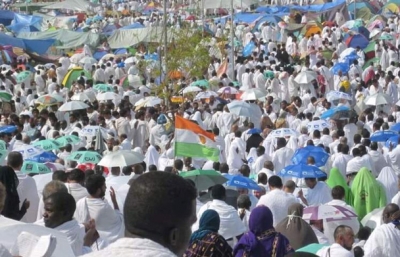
(26, 23)
(6, 17)
(136, 25)
(39, 46)
(305, 8)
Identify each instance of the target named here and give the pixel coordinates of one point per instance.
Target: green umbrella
(204, 179)
(368, 63)
(103, 87)
(327, 54)
(269, 74)
(5, 96)
(48, 144)
(47, 100)
(370, 47)
(34, 167)
(201, 83)
(386, 37)
(3, 145)
(22, 76)
(311, 248)
(65, 140)
(73, 75)
(85, 157)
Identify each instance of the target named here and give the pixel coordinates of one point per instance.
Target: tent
(74, 5)
(237, 4)
(357, 40)
(25, 23)
(129, 37)
(6, 17)
(31, 45)
(136, 25)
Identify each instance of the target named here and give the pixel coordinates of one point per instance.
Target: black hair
(94, 182)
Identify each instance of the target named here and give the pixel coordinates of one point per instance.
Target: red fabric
(90, 166)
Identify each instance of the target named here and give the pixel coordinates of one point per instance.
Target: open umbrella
(22, 76)
(47, 145)
(8, 129)
(328, 212)
(47, 100)
(337, 95)
(187, 90)
(382, 135)
(340, 66)
(72, 106)
(204, 179)
(73, 74)
(373, 219)
(107, 96)
(394, 141)
(88, 60)
(3, 145)
(336, 113)
(5, 96)
(242, 182)
(317, 125)
(253, 94)
(228, 90)
(377, 99)
(201, 83)
(91, 131)
(85, 157)
(29, 151)
(283, 132)
(103, 88)
(302, 171)
(239, 108)
(121, 158)
(205, 95)
(34, 167)
(80, 97)
(319, 154)
(305, 77)
(69, 139)
(150, 100)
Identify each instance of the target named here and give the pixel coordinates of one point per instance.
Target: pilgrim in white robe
(383, 242)
(259, 164)
(282, 158)
(27, 190)
(109, 222)
(389, 180)
(140, 133)
(277, 201)
(230, 223)
(320, 194)
(340, 162)
(77, 191)
(151, 157)
(334, 250)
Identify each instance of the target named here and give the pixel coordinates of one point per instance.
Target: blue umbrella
(335, 112)
(8, 129)
(44, 157)
(319, 154)
(396, 127)
(340, 66)
(241, 182)
(351, 57)
(302, 171)
(254, 131)
(393, 140)
(382, 135)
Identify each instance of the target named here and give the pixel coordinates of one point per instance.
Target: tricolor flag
(192, 141)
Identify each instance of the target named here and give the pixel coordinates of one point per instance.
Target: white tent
(74, 5)
(215, 4)
(129, 37)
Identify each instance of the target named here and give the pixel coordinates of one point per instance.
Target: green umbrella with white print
(5, 96)
(34, 167)
(85, 157)
(48, 144)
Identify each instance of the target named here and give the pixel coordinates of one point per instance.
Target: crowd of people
(301, 112)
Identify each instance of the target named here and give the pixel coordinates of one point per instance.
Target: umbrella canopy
(253, 94)
(317, 125)
(47, 145)
(8, 129)
(85, 157)
(69, 139)
(337, 95)
(394, 141)
(228, 90)
(284, 132)
(73, 74)
(205, 95)
(91, 131)
(44, 157)
(121, 158)
(336, 113)
(80, 97)
(107, 96)
(240, 108)
(377, 99)
(72, 106)
(373, 219)
(395, 127)
(302, 171)
(383, 135)
(340, 66)
(319, 154)
(150, 100)
(29, 151)
(305, 77)
(187, 90)
(328, 212)
(34, 167)
(103, 88)
(204, 179)
(242, 182)
(22, 76)
(47, 100)
(88, 60)
(5, 96)
(3, 145)
(201, 83)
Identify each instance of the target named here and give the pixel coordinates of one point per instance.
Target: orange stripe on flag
(182, 123)
(222, 68)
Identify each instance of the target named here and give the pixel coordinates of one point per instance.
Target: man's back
(27, 190)
(282, 158)
(278, 201)
(384, 241)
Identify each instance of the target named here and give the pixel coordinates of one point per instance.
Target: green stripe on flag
(196, 150)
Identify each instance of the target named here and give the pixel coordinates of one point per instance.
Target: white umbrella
(143, 101)
(107, 96)
(373, 219)
(191, 89)
(121, 158)
(283, 132)
(73, 105)
(305, 77)
(228, 90)
(336, 95)
(80, 97)
(29, 151)
(253, 94)
(152, 102)
(377, 99)
(240, 108)
(205, 95)
(88, 60)
(317, 125)
(360, 107)
(91, 131)
(347, 52)
(131, 59)
(76, 58)
(374, 32)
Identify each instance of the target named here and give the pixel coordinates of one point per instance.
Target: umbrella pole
(232, 57)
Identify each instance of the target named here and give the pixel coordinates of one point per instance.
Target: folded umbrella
(204, 179)
(382, 135)
(302, 171)
(319, 154)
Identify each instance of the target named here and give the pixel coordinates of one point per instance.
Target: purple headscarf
(262, 239)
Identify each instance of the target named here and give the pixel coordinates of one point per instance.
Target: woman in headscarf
(368, 193)
(206, 241)
(336, 179)
(262, 239)
(296, 229)
(388, 178)
(11, 205)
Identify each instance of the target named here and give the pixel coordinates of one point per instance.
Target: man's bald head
(269, 165)
(289, 186)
